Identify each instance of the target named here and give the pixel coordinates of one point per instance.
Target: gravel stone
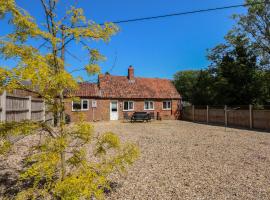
(184, 160)
(181, 160)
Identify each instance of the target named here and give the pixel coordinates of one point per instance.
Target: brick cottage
(117, 97)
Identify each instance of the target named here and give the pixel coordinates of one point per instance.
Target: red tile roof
(87, 90)
(121, 87)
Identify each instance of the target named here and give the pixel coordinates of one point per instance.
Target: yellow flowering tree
(61, 166)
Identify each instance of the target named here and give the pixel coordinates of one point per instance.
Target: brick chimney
(130, 73)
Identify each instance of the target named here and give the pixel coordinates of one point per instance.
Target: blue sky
(156, 48)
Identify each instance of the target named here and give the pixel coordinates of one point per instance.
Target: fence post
(193, 113)
(250, 116)
(29, 106)
(207, 114)
(3, 99)
(226, 117)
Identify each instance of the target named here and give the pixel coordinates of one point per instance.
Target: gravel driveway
(182, 160)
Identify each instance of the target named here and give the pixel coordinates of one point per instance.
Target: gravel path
(182, 160)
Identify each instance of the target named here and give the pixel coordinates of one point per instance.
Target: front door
(114, 110)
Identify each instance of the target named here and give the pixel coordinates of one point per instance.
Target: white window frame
(82, 109)
(149, 108)
(167, 105)
(128, 106)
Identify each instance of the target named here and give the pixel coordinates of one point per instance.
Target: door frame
(111, 110)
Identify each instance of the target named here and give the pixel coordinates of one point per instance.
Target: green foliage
(5, 146)
(92, 69)
(237, 74)
(84, 177)
(255, 24)
(185, 82)
(239, 70)
(203, 92)
(106, 142)
(17, 128)
(14, 129)
(233, 78)
(61, 165)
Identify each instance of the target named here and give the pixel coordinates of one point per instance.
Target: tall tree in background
(256, 25)
(236, 72)
(59, 167)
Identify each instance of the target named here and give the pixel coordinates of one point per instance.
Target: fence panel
(238, 118)
(200, 115)
(37, 110)
(261, 119)
(216, 115)
(14, 107)
(17, 108)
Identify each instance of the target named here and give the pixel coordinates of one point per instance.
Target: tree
(184, 82)
(254, 30)
(237, 75)
(60, 166)
(195, 86)
(256, 24)
(203, 92)
(239, 72)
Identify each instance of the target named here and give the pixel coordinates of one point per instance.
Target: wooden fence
(245, 116)
(18, 108)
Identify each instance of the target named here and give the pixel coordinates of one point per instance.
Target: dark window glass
(164, 105)
(130, 104)
(148, 105)
(167, 104)
(85, 104)
(126, 105)
(76, 105)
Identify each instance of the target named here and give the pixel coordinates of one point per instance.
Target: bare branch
(46, 14)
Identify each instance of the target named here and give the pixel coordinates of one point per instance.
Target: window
(148, 105)
(167, 105)
(114, 106)
(128, 105)
(76, 106)
(85, 104)
(80, 105)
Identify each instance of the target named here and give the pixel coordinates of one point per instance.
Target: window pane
(85, 104)
(151, 105)
(167, 104)
(76, 106)
(125, 105)
(146, 105)
(130, 105)
(114, 106)
(164, 105)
